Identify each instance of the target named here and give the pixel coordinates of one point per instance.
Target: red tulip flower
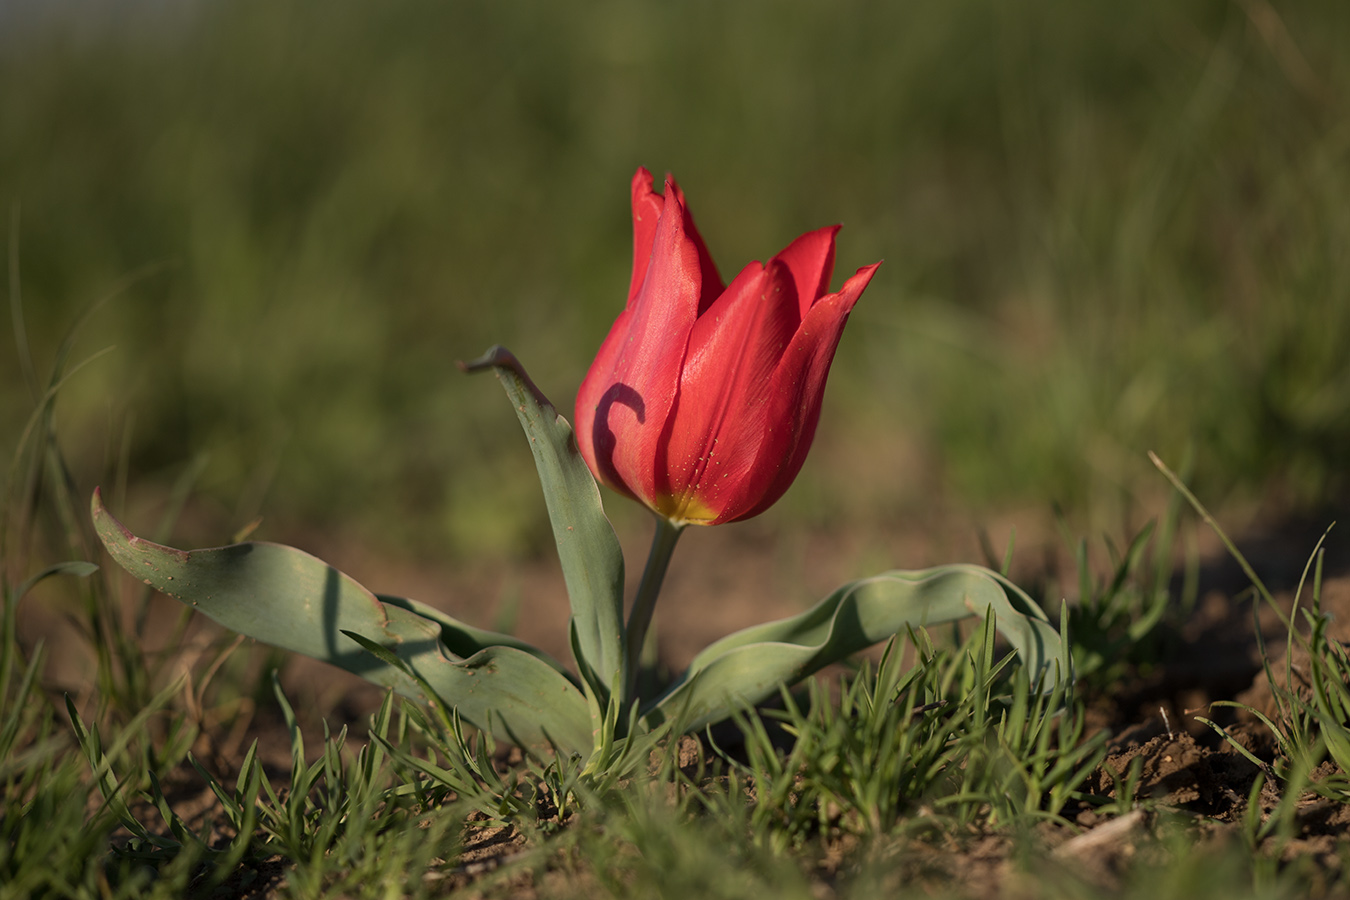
(703, 399)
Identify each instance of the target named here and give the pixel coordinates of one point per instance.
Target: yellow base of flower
(684, 510)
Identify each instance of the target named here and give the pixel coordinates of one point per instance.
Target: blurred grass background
(1107, 229)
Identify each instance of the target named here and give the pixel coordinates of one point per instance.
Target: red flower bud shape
(703, 400)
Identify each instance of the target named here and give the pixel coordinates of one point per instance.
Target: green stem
(663, 545)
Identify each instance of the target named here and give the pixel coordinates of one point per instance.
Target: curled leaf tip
(98, 511)
(496, 356)
(500, 360)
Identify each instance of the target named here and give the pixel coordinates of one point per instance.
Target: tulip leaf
(592, 560)
(463, 639)
(749, 666)
(292, 600)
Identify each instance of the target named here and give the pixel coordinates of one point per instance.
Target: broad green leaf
(463, 639)
(292, 600)
(592, 561)
(751, 665)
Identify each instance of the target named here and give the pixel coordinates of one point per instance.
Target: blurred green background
(1107, 228)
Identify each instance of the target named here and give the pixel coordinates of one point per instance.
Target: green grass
(921, 755)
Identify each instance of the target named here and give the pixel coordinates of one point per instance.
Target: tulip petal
(631, 387)
(810, 258)
(647, 206)
(711, 284)
(597, 443)
(795, 393)
(646, 211)
(719, 420)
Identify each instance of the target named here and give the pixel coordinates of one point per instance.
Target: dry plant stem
(640, 618)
